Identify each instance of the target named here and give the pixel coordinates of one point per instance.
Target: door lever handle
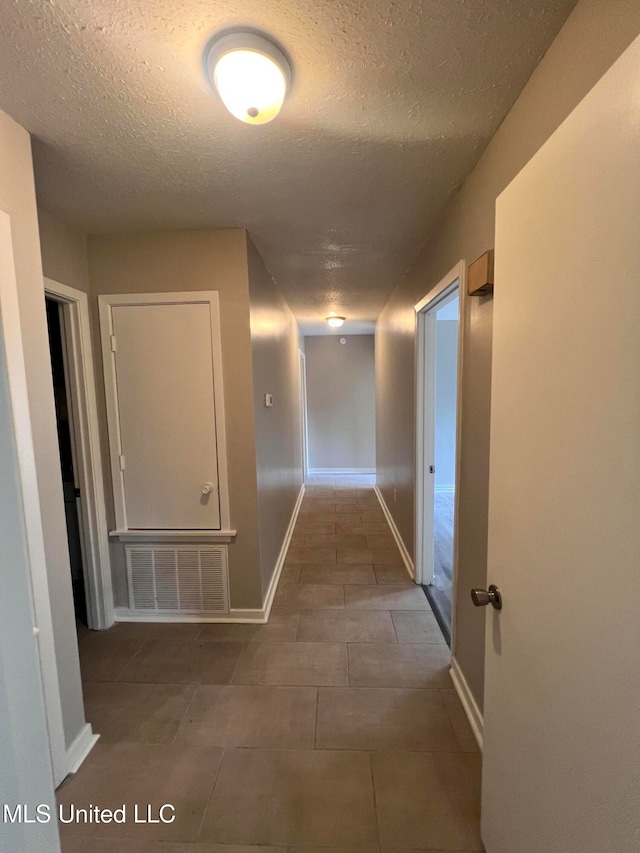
(492, 596)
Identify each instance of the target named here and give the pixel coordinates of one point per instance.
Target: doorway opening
(67, 312)
(68, 457)
(303, 415)
(438, 376)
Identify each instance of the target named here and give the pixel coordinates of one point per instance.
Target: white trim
(455, 280)
(273, 585)
(406, 556)
(180, 535)
(247, 616)
(474, 714)
(425, 438)
(443, 289)
(318, 472)
(81, 747)
(85, 424)
(11, 332)
(304, 430)
(105, 304)
(463, 298)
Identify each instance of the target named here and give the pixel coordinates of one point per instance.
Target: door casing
(304, 438)
(76, 329)
(455, 280)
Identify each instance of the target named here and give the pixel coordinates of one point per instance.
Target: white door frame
(455, 280)
(19, 401)
(303, 414)
(94, 537)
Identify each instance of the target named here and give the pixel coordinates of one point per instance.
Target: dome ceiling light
(251, 75)
(335, 321)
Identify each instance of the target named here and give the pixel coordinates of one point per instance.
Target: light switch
(268, 400)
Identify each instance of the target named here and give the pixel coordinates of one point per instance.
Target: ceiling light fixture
(251, 75)
(335, 321)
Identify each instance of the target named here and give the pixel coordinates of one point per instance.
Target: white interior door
(167, 416)
(562, 699)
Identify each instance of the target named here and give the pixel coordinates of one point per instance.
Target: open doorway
(67, 312)
(68, 458)
(438, 334)
(303, 415)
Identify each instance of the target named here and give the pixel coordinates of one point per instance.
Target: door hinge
(432, 469)
(113, 343)
(121, 462)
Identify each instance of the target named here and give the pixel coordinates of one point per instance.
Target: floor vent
(178, 579)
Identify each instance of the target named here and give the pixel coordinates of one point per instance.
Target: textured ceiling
(391, 106)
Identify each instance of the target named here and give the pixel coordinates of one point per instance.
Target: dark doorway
(67, 455)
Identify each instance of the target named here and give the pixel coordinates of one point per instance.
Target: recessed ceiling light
(251, 75)
(335, 321)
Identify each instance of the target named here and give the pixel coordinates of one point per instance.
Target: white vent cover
(178, 578)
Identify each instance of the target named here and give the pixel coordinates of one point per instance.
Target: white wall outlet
(268, 400)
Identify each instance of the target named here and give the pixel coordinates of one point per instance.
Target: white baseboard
(469, 704)
(406, 556)
(319, 472)
(80, 748)
(273, 585)
(250, 617)
(126, 614)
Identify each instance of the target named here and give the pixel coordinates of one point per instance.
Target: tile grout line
(375, 799)
(245, 648)
(450, 718)
(315, 725)
(213, 788)
(394, 627)
(131, 659)
(187, 709)
(295, 640)
(283, 684)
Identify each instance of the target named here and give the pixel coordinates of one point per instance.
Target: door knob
(206, 488)
(492, 596)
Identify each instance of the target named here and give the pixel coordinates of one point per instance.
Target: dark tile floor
(333, 726)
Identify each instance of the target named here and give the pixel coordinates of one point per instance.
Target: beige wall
(341, 401)
(593, 37)
(64, 252)
(275, 356)
(152, 262)
(17, 199)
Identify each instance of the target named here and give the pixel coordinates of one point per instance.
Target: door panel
(164, 378)
(562, 690)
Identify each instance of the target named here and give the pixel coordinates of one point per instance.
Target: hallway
(334, 725)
